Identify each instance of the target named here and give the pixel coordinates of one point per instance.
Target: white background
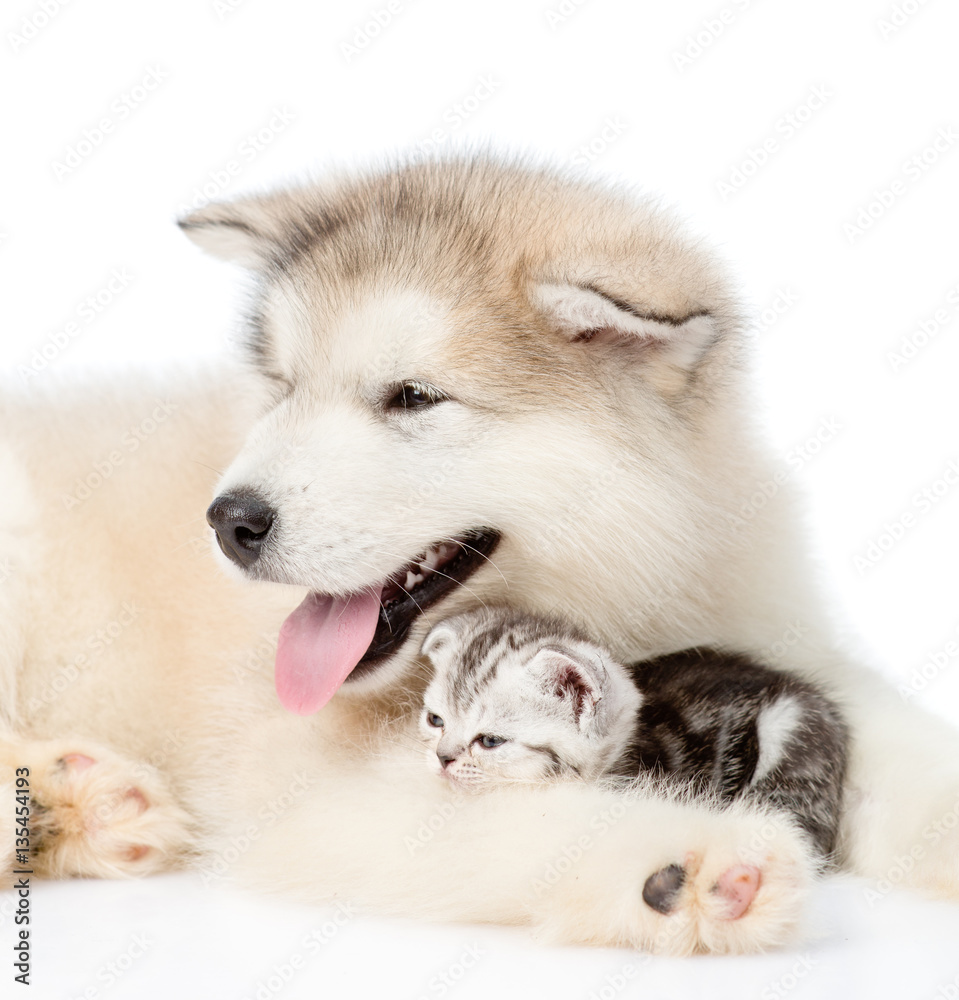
(249, 94)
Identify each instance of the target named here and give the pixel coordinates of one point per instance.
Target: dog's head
(487, 382)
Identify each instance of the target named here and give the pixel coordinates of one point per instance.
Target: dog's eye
(413, 395)
(434, 720)
(489, 742)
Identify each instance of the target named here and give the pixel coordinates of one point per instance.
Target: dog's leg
(89, 811)
(901, 822)
(581, 864)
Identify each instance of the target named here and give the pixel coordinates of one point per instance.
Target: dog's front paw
(96, 814)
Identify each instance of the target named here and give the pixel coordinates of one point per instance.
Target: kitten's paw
(97, 814)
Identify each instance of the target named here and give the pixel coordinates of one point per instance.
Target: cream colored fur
(616, 470)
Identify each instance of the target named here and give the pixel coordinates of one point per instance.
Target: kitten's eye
(490, 741)
(413, 395)
(434, 720)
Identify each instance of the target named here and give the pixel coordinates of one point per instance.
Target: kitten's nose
(445, 759)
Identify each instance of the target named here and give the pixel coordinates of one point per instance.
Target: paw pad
(138, 798)
(738, 887)
(662, 888)
(76, 761)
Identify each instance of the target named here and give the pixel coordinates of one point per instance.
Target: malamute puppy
(468, 381)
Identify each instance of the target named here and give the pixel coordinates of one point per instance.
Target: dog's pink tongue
(319, 644)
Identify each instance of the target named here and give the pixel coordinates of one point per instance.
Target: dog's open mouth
(328, 639)
(418, 586)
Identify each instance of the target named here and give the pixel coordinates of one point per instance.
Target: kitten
(519, 698)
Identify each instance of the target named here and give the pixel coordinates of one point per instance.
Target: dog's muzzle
(242, 523)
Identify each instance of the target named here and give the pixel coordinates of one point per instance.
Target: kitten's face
(504, 706)
(507, 735)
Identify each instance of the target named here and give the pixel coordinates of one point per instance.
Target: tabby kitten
(519, 698)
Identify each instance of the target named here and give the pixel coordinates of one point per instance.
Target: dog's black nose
(242, 523)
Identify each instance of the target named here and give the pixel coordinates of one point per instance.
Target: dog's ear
(586, 313)
(249, 231)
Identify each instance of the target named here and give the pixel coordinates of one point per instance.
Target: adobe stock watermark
(782, 987)
(445, 980)
(258, 661)
(32, 24)
(903, 864)
(920, 677)
(786, 127)
(570, 855)
(119, 111)
(216, 866)
(710, 30)
(172, 743)
(105, 636)
(791, 636)
(948, 991)
(223, 8)
(251, 146)
(591, 150)
(615, 982)
(922, 501)
(456, 116)
(783, 300)
(282, 973)
(433, 823)
(795, 460)
(86, 312)
(925, 331)
(443, 475)
(913, 170)
(110, 973)
(104, 468)
(204, 545)
(563, 11)
(646, 613)
(900, 15)
(765, 835)
(412, 316)
(376, 22)
(588, 499)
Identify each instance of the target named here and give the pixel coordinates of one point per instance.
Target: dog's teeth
(438, 556)
(423, 568)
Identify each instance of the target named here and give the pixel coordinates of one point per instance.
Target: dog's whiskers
(482, 555)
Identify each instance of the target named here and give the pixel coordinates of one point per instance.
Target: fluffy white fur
(619, 493)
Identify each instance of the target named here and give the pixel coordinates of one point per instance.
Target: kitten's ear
(570, 678)
(441, 636)
(589, 314)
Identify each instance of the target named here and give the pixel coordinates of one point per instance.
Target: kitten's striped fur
(722, 724)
